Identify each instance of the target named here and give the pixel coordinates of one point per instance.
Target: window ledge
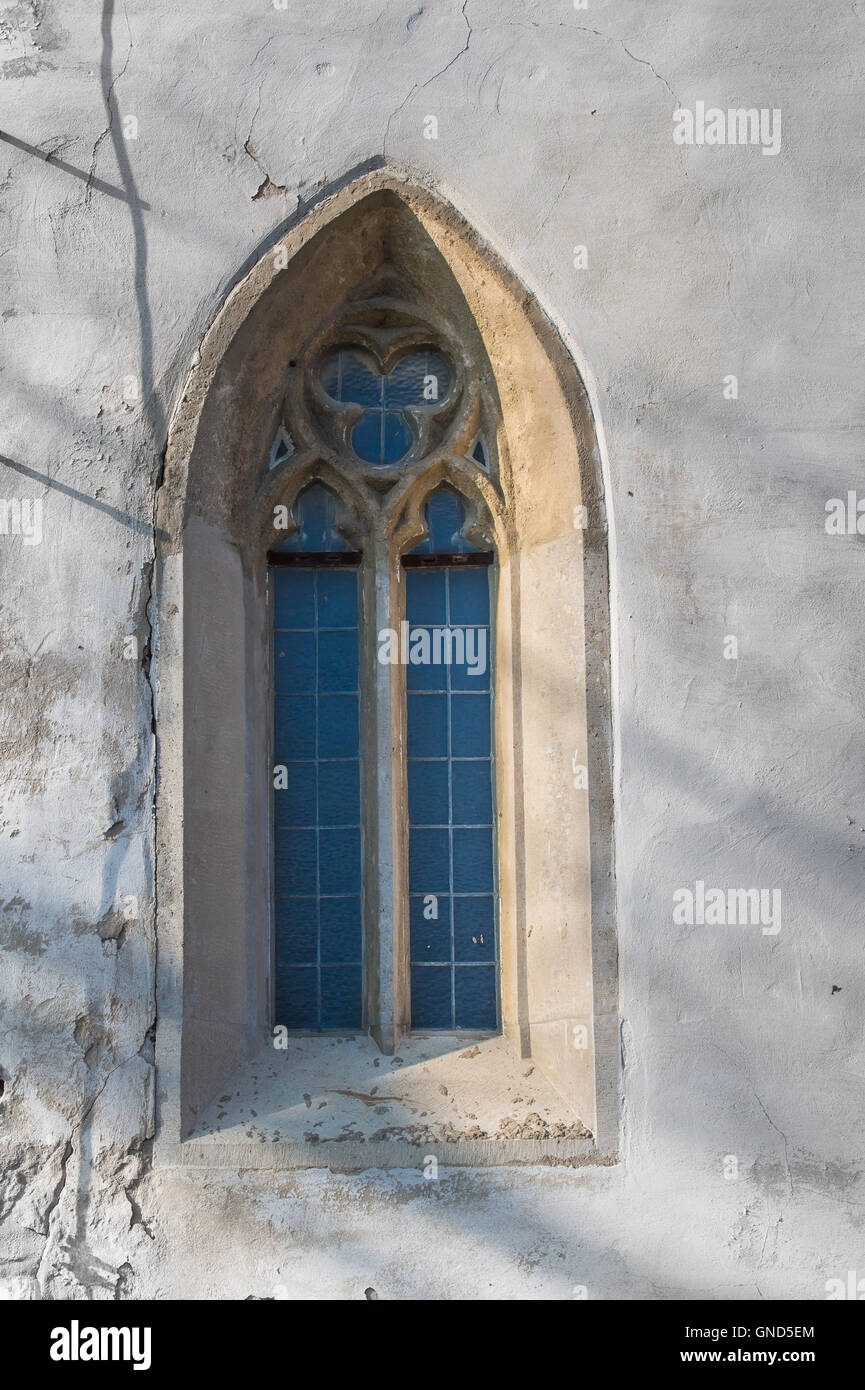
(336, 1102)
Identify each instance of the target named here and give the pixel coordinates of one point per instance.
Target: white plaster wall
(554, 129)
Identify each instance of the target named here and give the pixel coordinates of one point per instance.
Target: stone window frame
(225, 409)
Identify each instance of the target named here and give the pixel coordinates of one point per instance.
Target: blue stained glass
(470, 729)
(431, 996)
(473, 861)
(453, 955)
(337, 726)
(474, 929)
(428, 802)
(422, 378)
(445, 517)
(341, 936)
(340, 996)
(296, 932)
(295, 804)
(430, 935)
(383, 435)
(336, 597)
(317, 845)
(366, 438)
(317, 531)
(471, 792)
(398, 438)
(337, 661)
(294, 728)
(361, 381)
(297, 997)
(339, 792)
(426, 595)
(475, 996)
(428, 726)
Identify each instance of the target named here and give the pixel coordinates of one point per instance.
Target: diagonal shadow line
(152, 409)
(144, 527)
(99, 184)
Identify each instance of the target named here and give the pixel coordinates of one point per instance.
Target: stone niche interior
(547, 1087)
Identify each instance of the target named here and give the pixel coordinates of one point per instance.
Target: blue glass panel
(337, 597)
(453, 603)
(293, 662)
(445, 518)
(341, 942)
(340, 996)
(361, 380)
(474, 672)
(470, 595)
(339, 793)
(425, 596)
(475, 996)
(420, 379)
(437, 366)
(293, 598)
(317, 531)
(398, 438)
(422, 673)
(429, 861)
(294, 727)
(295, 804)
(296, 932)
(472, 793)
(315, 854)
(474, 929)
(427, 726)
(430, 936)
(297, 997)
(330, 376)
(337, 661)
(366, 437)
(294, 861)
(431, 996)
(337, 726)
(473, 861)
(428, 793)
(470, 726)
(404, 386)
(339, 861)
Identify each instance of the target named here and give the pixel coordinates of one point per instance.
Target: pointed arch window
(378, 852)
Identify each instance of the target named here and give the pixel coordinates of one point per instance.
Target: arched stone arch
(543, 496)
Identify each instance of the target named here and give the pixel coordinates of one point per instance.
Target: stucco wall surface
(149, 153)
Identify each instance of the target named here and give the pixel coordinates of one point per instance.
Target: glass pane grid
(317, 816)
(453, 956)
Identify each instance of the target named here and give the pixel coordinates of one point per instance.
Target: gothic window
(380, 664)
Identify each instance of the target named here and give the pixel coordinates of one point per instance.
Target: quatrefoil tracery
(383, 388)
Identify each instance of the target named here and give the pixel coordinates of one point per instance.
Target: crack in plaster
(267, 188)
(419, 86)
(109, 99)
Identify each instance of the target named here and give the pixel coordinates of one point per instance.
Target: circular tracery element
(391, 404)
